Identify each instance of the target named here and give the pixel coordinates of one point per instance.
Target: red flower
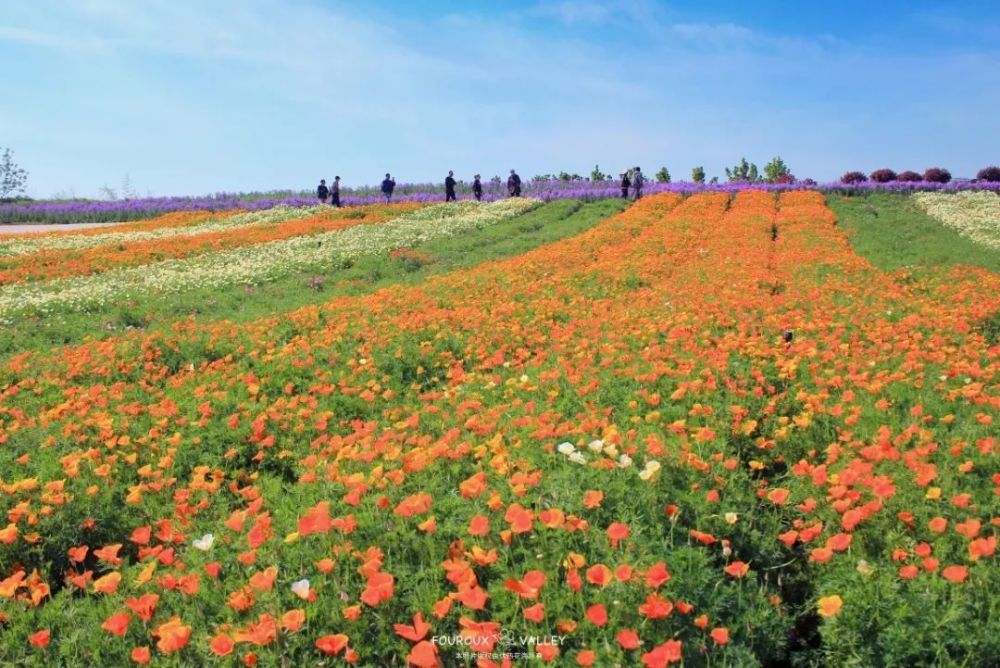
(617, 532)
(423, 655)
(413, 633)
(628, 639)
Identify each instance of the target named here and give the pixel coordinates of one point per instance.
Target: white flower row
(260, 263)
(278, 214)
(974, 214)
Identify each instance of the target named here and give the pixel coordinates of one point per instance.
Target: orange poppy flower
(117, 624)
(332, 644)
(830, 605)
(173, 635)
(737, 569)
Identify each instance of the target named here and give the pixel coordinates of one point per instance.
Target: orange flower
(117, 624)
(778, 496)
(332, 644)
(829, 606)
(221, 645)
(737, 569)
(264, 580)
(519, 519)
(720, 635)
(40, 639)
(597, 615)
(663, 655)
(956, 574)
(656, 607)
(107, 584)
(413, 633)
(109, 554)
(423, 655)
(293, 620)
(535, 613)
(628, 639)
(479, 525)
(141, 655)
(593, 498)
(617, 532)
(528, 586)
(380, 588)
(173, 635)
(599, 575)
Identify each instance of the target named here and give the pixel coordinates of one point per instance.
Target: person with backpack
(637, 182)
(335, 192)
(514, 184)
(626, 184)
(477, 188)
(322, 192)
(449, 187)
(388, 185)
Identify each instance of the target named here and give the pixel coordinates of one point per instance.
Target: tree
(714, 180)
(12, 177)
(743, 171)
(776, 171)
(663, 176)
(698, 174)
(597, 174)
(566, 176)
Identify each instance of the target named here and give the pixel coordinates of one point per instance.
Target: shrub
(989, 174)
(937, 175)
(883, 175)
(785, 178)
(908, 176)
(853, 177)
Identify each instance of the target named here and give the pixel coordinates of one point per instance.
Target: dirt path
(50, 227)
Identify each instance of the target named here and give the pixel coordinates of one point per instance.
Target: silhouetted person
(449, 187)
(335, 192)
(637, 181)
(514, 184)
(388, 185)
(322, 192)
(626, 184)
(477, 188)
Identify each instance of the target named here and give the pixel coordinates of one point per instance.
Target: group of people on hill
(634, 180)
(332, 192)
(631, 180)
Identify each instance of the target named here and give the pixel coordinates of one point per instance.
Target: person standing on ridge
(514, 184)
(626, 184)
(388, 185)
(477, 188)
(637, 182)
(449, 187)
(322, 192)
(335, 192)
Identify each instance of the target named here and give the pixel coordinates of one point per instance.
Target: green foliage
(698, 174)
(597, 175)
(743, 171)
(776, 170)
(663, 176)
(894, 233)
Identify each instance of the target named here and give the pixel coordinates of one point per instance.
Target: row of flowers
(257, 263)
(704, 431)
(204, 223)
(975, 215)
(285, 223)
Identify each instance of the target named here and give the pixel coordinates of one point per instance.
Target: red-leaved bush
(991, 173)
(937, 175)
(853, 177)
(882, 175)
(908, 176)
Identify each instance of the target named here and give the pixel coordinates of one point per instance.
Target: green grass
(548, 223)
(892, 232)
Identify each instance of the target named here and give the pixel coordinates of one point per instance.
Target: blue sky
(192, 97)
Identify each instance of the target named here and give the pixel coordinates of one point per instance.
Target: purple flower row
(98, 211)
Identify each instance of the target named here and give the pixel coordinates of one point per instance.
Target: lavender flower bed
(120, 210)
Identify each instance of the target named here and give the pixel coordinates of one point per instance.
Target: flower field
(704, 432)
(975, 215)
